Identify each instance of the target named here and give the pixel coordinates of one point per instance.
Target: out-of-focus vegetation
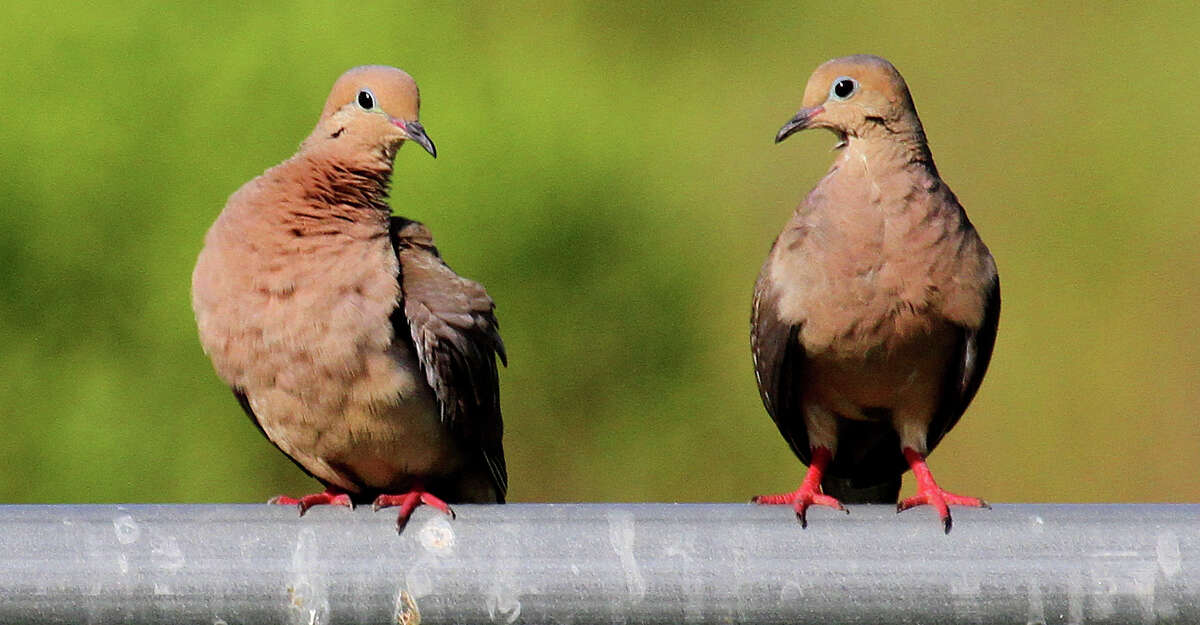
(607, 170)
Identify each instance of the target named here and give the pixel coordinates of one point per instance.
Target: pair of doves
(368, 361)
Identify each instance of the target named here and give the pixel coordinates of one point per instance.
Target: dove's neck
(347, 182)
(890, 152)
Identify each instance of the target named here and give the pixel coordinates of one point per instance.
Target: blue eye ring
(365, 99)
(843, 88)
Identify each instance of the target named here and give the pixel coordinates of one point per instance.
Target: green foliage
(607, 171)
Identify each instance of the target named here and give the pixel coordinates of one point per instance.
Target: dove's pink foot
(809, 493)
(409, 502)
(929, 493)
(330, 497)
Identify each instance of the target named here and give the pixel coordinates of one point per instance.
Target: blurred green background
(607, 170)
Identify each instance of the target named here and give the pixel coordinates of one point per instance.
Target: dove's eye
(843, 88)
(366, 99)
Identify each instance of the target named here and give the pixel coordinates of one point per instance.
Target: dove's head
(856, 96)
(375, 106)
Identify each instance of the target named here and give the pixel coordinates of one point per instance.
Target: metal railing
(598, 563)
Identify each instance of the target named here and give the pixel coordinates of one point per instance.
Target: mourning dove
(876, 310)
(352, 346)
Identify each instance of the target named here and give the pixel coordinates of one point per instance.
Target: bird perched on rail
(347, 340)
(875, 312)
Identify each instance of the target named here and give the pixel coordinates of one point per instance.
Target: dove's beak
(802, 120)
(416, 134)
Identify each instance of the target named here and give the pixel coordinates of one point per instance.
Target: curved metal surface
(598, 563)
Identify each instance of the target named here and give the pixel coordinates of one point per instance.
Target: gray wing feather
(963, 379)
(778, 366)
(456, 336)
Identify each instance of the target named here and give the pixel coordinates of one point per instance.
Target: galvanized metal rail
(598, 563)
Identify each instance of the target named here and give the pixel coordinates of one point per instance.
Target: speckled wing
(778, 366)
(453, 327)
(965, 374)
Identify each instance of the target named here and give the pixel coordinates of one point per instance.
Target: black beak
(802, 120)
(416, 133)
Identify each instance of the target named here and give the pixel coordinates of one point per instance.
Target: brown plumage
(349, 342)
(876, 310)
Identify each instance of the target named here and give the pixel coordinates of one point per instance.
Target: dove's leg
(809, 493)
(929, 493)
(408, 502)
(331, 497)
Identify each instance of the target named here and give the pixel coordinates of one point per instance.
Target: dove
(875, 312)
(343, 334)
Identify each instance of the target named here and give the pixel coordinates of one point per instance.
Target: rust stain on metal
(407, 612)
(295, 598)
